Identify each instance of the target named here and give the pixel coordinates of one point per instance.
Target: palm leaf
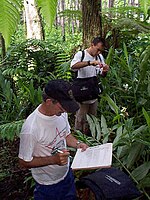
(132, 24)
(48, 10)
(9, 18)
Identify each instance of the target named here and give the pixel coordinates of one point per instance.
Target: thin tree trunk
(33, 21)
(111, 3)
(73, 20)
(91, 20)
(63, 20)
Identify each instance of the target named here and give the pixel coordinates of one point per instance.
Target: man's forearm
(71, 141)
(38, 162)
(57, 159)
(79, 65)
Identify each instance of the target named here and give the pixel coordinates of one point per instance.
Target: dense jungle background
(37, 42)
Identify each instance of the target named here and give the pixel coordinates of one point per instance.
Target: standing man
(89, 65)
(44, 138)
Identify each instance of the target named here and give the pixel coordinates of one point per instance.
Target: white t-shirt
(88, 71)
(40, 135)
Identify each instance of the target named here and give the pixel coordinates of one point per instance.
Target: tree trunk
(33, 20)
(91, 20)
(63, 20)
(111, 3)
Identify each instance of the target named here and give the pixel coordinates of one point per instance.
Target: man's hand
(105, 68)
(82, 146)
(62, 157)
(96, 63)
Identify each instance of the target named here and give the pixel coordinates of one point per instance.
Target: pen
(59, 151)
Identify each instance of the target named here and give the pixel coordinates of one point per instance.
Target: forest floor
(17, 184)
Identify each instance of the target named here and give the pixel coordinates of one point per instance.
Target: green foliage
(71, 14)
(31, 59)
(133, 26)
(147, 117)
(10, 130)
(48, 10)
(9, 18)
(123, 23)
(144, 4)
(10, 14)
(123, 112)
(131, 146)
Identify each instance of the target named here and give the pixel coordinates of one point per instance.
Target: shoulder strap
(99, 57)
(83, 54)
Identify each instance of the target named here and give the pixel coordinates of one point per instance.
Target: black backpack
(85, 89)
(110, 184)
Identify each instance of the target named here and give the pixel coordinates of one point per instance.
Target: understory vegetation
(123, 112)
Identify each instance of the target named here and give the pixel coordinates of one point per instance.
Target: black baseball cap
(60, 90)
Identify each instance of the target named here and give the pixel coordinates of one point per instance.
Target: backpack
(85, 89)
(110, 184)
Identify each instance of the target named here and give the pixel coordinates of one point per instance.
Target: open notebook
(94, 157)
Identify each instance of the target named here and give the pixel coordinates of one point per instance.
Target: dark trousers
(64, 190)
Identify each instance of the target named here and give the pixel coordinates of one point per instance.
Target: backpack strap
(83, 54)
(98, 56)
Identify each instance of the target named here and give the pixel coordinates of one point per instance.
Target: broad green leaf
(145, 182)
(97, 127)
(147, 117)
(117, 117)
(125, 52)
(9, 18)
(144, 142)
(138, 130)
(143, 63)
(109, 56)
(118, 135)
(92, 125)
(122, 151)
(140, 172)
(134, 153)
(148, 87)
(112, 104)
(105, 130)
(48, 10)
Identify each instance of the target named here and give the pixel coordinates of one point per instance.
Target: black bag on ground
(85, 89)
(111, 184)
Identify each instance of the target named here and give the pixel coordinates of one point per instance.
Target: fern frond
(63, 66)
(132, 24)
(9, 18)
(74, 14)
(10, 130)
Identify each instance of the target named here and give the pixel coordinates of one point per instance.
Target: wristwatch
(89, 62)
(77, 143)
